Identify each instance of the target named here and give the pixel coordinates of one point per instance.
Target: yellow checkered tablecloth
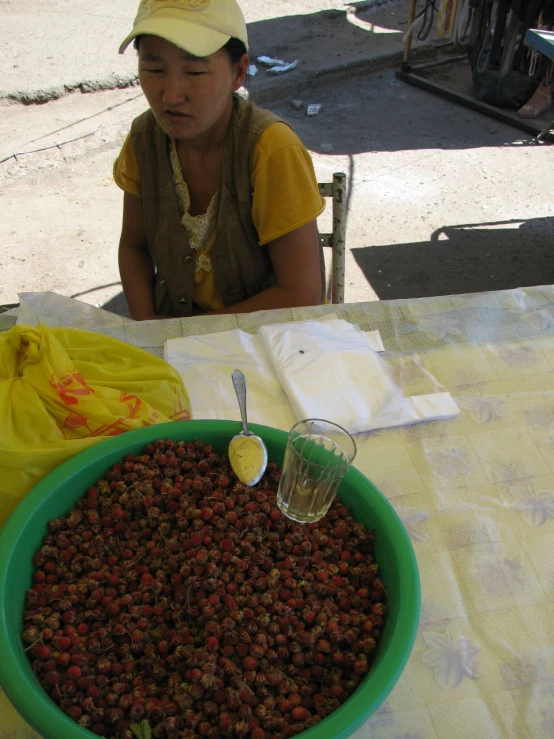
(476, 494)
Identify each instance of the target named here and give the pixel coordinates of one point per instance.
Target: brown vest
(241, 266)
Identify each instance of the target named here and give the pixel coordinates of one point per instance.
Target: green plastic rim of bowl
(57, 493)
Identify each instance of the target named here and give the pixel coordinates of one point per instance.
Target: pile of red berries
(173, 601)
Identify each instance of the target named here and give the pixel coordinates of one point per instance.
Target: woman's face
(188, 95)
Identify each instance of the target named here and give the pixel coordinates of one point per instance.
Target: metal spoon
(247, 452)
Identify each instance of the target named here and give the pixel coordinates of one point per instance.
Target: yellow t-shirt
(285, 197)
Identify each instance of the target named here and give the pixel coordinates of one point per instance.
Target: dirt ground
(73, 44)
(441, 199)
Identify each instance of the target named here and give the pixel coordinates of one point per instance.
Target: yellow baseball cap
(200, 27)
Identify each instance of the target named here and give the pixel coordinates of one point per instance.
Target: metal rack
(412, 74)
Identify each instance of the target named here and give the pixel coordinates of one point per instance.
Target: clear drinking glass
(317, 456)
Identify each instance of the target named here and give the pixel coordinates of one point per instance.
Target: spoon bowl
(247, 452)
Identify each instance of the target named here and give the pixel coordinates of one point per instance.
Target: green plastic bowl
(57, 494)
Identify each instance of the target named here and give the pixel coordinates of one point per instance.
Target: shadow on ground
(339, 36)
(118, 305)
(377, 113)
(465, 258)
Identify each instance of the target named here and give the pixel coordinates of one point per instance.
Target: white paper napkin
(206, 362)
(329, 370)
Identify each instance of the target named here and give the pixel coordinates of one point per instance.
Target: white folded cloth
(329, 370)
(338, 377)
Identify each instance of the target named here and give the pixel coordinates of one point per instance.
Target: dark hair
(234, 48)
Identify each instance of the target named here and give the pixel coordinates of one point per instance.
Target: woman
(221, 200)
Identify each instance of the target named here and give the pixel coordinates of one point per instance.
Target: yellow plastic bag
(63, 390)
